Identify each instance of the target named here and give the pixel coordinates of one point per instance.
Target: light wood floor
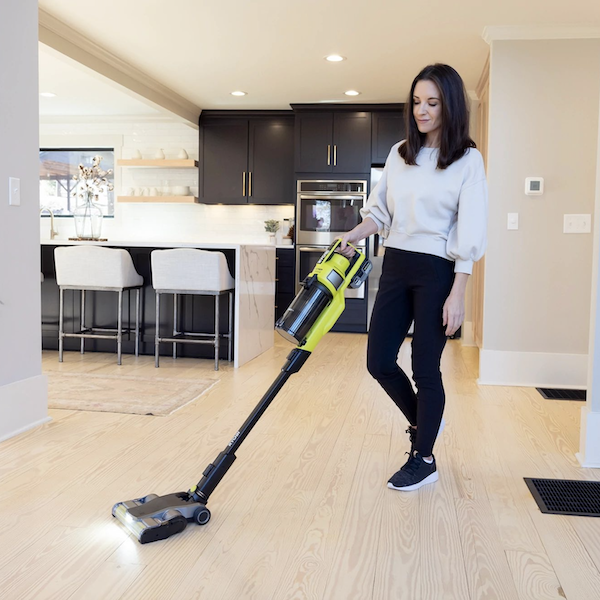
(304, 513)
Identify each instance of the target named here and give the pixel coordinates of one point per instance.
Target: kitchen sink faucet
(53, 232)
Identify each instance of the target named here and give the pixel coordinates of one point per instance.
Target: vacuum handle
(333, 248)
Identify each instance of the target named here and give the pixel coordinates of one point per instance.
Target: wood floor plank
(305, 574)
(110, 580)
(534, 576)
(488, 573)
(304, 513)
(53, 568)
(352, 573)
(442, 568)
(578, 575)
(398, 572)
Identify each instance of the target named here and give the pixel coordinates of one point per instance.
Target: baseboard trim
(23, 405)
(532, 369)
(466, 337)
(25, 428)
(589, 439)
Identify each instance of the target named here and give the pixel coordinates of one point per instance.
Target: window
(57, 186)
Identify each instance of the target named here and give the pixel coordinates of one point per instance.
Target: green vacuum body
(312, 313)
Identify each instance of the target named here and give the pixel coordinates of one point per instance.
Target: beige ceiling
(274, 49)
(82, 92)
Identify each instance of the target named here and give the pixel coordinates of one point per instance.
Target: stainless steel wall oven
(325, 210)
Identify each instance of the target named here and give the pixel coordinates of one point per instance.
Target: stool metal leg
(60, 325)
(119, 328)
(217, 296)
(137, 322)
(81, 343)
(175, 332)
(230, 324)
(157, 328)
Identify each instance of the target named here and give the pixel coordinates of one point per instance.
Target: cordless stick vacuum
(312, 313)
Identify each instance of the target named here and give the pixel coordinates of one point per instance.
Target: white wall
(23, 389)
(151, 221)
(544, 98)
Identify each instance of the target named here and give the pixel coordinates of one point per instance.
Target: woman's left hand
(453, 313)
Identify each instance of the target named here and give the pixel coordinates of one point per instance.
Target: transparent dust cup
(302, 313)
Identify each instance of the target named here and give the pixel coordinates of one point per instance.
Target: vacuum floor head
(154, 518)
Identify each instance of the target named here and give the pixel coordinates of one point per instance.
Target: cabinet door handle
(328, 155)
(249, 183)
(335, 155)
(244, 183)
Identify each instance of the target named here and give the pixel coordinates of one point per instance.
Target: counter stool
(196, 272)
(94, 268)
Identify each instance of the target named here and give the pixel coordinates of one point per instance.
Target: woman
(430, 206)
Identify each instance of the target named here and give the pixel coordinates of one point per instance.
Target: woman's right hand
(351, 237)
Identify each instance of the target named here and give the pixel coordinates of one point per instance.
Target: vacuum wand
(217, 469)
(312, 313)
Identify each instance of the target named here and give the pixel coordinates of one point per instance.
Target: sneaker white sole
(409, 488)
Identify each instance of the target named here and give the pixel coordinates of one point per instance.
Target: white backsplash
(150, 220)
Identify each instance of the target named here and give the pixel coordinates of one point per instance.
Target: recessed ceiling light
(352, 93)
(47, 94)
(335, 58)
(238, 93)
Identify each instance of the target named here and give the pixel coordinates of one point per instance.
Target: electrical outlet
(577, 224)
(513, 221)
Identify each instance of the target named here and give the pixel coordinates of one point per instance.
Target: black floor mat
(558, 394)
(566, 497)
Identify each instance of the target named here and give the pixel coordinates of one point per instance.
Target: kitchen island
(251, 265)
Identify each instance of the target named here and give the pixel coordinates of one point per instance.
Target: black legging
(413, 286)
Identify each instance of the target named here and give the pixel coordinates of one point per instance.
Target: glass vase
(88, 220)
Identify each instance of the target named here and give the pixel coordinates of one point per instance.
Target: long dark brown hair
(454, 138)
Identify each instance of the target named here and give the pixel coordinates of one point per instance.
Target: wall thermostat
(534, 186)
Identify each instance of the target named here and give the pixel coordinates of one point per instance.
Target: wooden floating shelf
(159, 199)
(164, 163)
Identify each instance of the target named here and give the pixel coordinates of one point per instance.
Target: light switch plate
(513, 221)
(14, 191)
(577, 224)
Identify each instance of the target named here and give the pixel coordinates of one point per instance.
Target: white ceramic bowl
(181, 190)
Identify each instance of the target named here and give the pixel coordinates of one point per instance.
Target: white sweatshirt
(424, 209)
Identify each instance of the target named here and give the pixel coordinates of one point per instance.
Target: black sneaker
(414, 474)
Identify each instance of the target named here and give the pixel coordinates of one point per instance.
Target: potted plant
(272, 226)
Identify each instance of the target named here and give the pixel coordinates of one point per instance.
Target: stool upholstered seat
(182, 271)
(92, 267)
(95, 268)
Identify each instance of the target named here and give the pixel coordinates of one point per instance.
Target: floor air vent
(557, 394)
(566, 497)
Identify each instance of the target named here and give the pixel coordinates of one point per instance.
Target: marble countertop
(225, 244)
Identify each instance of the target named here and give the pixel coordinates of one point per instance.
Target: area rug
(123, 394)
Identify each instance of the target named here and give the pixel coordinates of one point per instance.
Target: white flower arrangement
(91, 181)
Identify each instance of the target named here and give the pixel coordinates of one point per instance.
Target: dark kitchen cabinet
(223, 162)
(247, 160)
(285, 280)
(388, 129)
(333, 142)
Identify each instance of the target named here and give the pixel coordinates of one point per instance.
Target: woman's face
(427, 110)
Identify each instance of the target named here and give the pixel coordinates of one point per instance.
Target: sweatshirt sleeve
(467, 238)
(376, 207)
